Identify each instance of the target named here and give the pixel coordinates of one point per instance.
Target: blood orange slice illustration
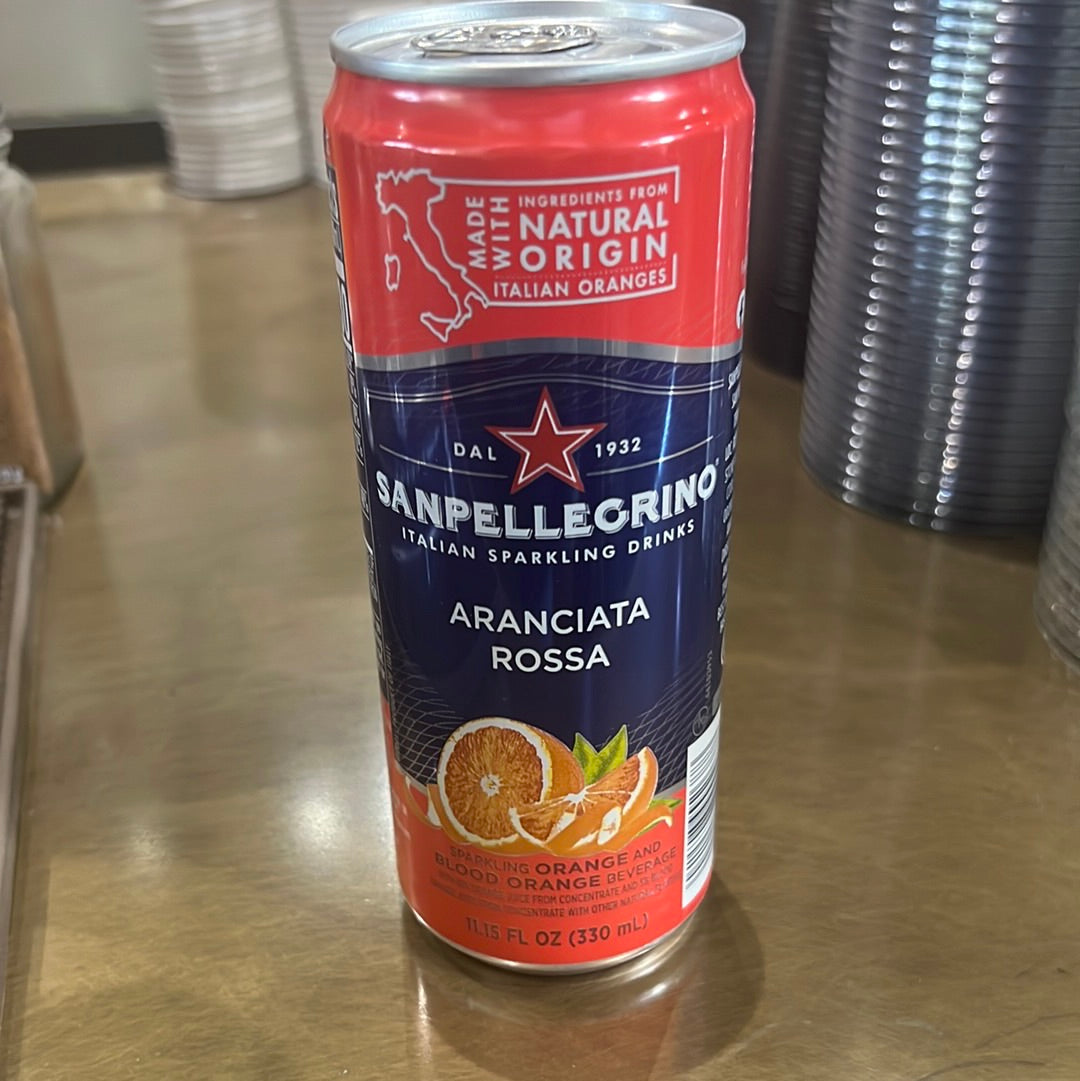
(579, 821)
(493, 764)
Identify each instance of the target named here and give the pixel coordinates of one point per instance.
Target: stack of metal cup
(787, 169)
(948, 259)
(225, 90)
(759, 18)
(1057, 597)
(310, 23)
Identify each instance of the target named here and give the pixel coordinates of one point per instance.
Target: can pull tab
(503, 39)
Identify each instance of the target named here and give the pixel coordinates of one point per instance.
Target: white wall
(72, 57)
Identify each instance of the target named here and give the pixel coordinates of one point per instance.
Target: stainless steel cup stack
(759, 18)
(948, 259)
(1057, 596)
(225, 90)
(310, 24)
(787, 167)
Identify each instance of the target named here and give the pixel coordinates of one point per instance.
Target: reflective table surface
(205, 886)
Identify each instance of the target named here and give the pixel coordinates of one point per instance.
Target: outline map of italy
(413, 195)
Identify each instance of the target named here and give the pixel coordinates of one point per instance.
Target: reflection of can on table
(540, 224)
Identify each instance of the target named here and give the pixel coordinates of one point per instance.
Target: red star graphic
(546, 446)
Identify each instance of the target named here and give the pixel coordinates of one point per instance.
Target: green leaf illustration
(594, 764)
(670, 804)
(611, 756)
(585, 753)
(650, 826)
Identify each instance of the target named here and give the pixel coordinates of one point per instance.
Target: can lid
(541, 43)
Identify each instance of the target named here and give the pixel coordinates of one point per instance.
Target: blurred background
(915, 227)
(204, 861)
(65, 59)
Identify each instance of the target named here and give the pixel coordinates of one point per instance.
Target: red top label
(584, 226)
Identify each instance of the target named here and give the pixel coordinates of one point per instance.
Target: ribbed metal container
(948, 259)
(1057, 596)
(309, 24)
(787, 166)
(225, 91)
(759, 18)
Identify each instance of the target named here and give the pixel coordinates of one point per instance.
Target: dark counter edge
(78, 143)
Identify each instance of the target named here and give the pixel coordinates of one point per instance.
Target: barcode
(701, 757)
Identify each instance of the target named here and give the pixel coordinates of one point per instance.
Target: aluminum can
(540, 217)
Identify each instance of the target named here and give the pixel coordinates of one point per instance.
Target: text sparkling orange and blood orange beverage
(540, 216)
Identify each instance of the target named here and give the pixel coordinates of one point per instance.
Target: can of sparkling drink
(540, 218)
